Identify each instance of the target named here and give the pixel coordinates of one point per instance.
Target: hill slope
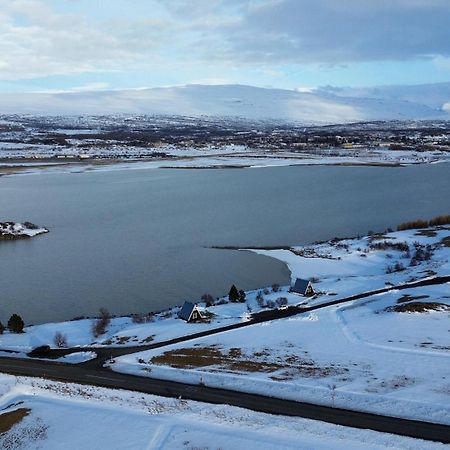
(327, 105)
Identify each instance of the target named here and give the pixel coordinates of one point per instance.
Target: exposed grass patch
(419, 307)
(427, 233)
(446, 241)
(9, 419)
(234, 360)
(409, 298)
(148, 339)
(379, 237)
(386, 245)
(120, 340)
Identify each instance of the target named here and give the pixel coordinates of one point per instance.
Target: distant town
(145, 137)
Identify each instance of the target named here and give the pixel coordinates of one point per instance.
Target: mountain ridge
(325, 105)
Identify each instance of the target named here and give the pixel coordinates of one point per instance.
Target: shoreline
(302, 253)
(216, 162)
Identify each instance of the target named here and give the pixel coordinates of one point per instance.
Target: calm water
(136, 240)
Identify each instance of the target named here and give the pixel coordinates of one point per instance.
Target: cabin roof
(301, 285)
(186, 311)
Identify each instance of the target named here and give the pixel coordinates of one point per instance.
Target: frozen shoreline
(238, 160)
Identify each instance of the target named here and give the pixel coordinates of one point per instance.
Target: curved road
(93, 373)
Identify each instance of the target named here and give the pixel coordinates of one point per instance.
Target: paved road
(83, 375)
(92, 373)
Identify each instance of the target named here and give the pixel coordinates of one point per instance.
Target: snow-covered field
(125, 332)
(47, 415)
(343, 267)
(15, 230)
(387, 354)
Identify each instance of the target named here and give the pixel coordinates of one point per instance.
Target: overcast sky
(109, 44)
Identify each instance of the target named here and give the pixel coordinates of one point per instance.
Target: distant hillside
(325, 105)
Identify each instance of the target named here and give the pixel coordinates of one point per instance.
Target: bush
(384, 245)
(440, 220)
(60, 340)
(242, 296)
(421, 253)
(2, 328)
(15, 324)
(260, 299)
(270, 304)
(142, 318)
(420, 223)
(233, 295)
(208, 299)
(398, 267)
(101, 324)
(275, 287)
(281, 301)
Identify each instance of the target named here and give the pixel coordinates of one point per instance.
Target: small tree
(242, 296)
(208, 299)
(101, 324)
(2, 328)
(275, 287)
(60, 340)
(233, 295)
(260, 299)
(15, 324)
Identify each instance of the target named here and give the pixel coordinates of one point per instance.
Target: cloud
(38, 39)
(35, 41)
(344, 31)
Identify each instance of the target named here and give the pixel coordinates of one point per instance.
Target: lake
(137, 240)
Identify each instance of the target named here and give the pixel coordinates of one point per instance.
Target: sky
(78, 45)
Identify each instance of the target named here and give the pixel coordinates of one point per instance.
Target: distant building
(303, 287)
(190, 313)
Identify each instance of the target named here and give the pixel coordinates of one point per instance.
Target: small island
(16, 230)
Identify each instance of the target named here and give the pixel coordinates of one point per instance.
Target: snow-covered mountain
(324, 105)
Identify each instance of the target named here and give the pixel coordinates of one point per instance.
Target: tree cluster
(236, 296)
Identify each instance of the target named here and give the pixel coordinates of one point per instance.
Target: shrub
(266, 291)
(101, 324)
(2, 328)
(280, 301)
(260, 299)
(419, 223)
(275, 287)
(440, 220)
(242, 296)
(208, 299)
(270, 304)
(60, 340)
(384, 245)
(142, 318)
(15, 324)
(233, 295)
